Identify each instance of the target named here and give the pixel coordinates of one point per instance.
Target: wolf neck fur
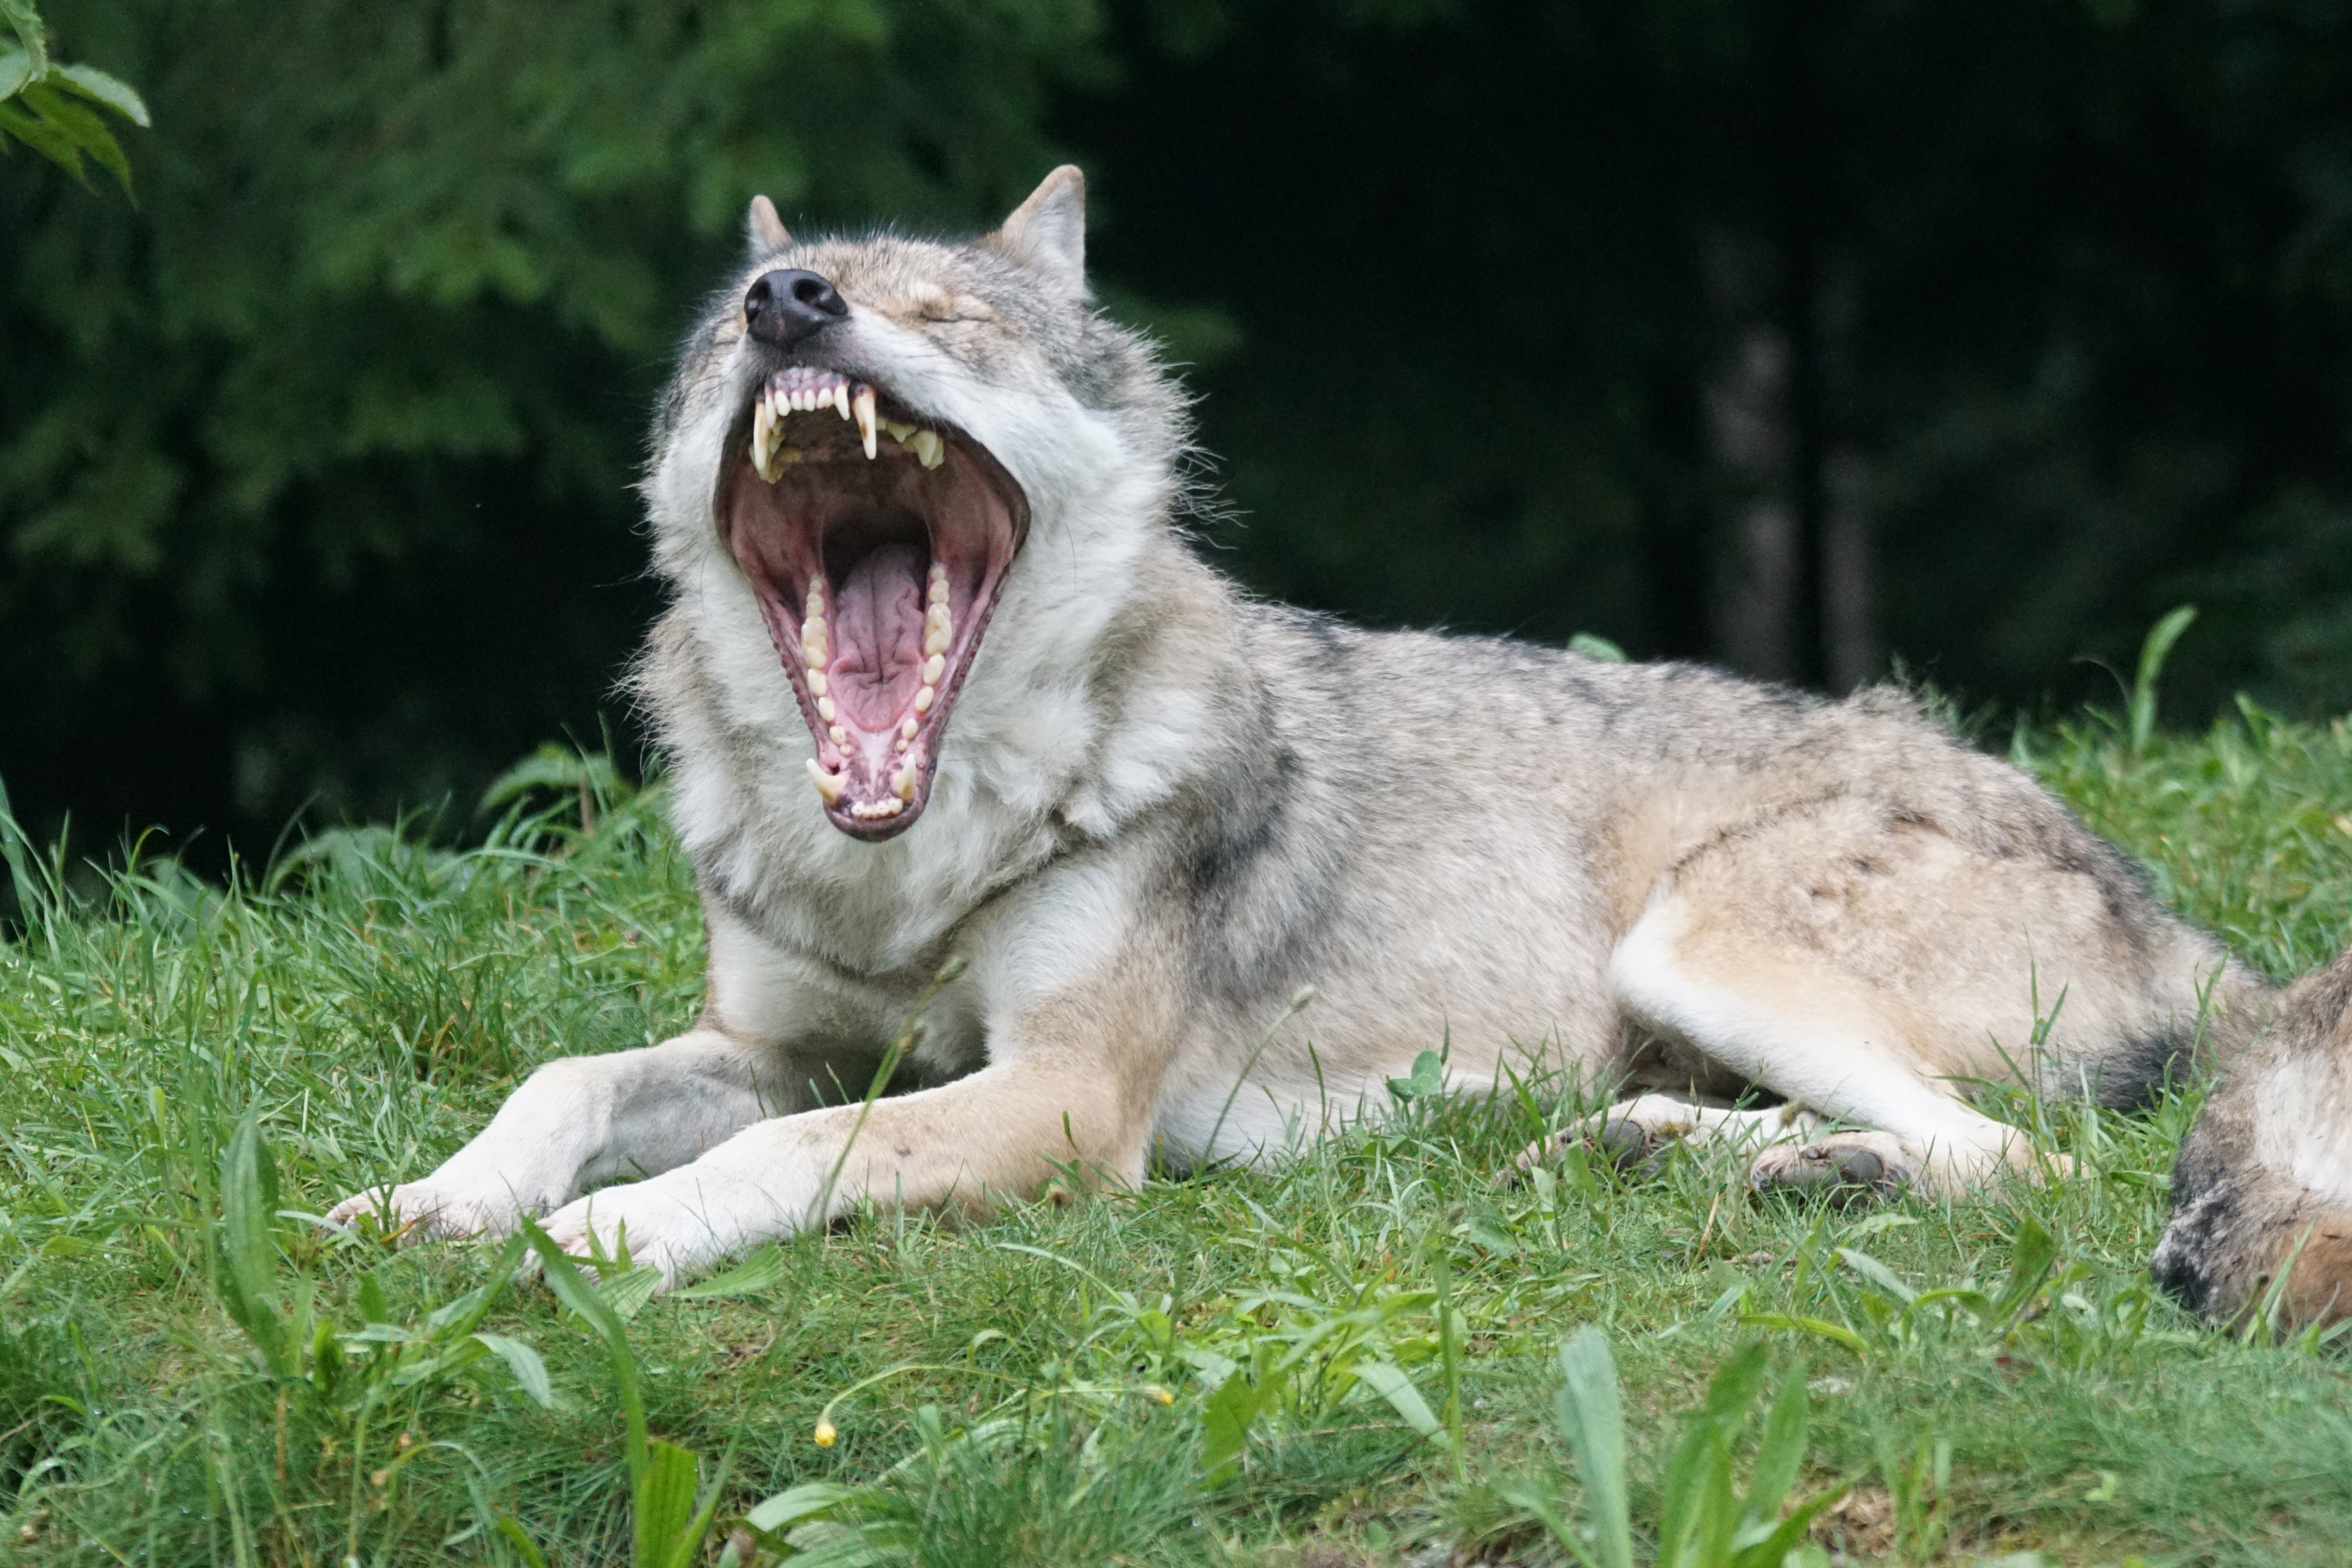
(1084, 715)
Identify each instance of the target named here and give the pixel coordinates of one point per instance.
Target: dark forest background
(1802, 335)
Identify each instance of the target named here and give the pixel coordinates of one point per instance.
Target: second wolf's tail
(2261, 1196)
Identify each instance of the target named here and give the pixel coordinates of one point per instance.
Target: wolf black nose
(784, 307)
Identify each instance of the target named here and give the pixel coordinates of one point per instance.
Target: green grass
(375, 998)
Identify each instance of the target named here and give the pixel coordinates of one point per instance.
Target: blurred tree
(1794, 333)
(314, 471)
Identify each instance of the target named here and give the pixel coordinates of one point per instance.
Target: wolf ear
(1047, 233)
(764, 229)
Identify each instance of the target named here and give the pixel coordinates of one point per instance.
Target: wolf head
(871, 441)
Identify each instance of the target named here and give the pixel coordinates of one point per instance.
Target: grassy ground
(1056, 1386)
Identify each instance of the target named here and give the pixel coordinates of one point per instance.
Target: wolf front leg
(579, 1120)
(1002, 1133)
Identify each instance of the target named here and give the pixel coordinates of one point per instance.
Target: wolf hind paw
(1848, 1165)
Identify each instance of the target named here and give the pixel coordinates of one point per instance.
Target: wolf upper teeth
(824, 709)
(816, 683)
(870, 809)
(797, 389)
(907, 731)
(938, 628)
(902, 782)
(933, 668)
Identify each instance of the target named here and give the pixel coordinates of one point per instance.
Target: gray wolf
(940, 678)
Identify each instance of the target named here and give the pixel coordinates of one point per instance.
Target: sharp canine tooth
(829, 785)
(902, 784)
(933, 668)
(862, 407)
(824, 709)
(763, 441)
(923, 698)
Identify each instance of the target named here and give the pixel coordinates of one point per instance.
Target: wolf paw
(1633, 1135)
(665, 1229)
(1848, 1164)
(430, 1210)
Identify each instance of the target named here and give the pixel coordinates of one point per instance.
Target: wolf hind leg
(1639, 1131)
(1830, 1043)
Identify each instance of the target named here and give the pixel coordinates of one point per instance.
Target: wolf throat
(877, 546)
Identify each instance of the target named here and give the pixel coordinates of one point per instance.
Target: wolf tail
(2261, 1196)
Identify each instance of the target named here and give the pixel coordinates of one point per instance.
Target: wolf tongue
(879, 625)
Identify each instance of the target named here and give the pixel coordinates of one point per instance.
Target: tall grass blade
(2152, 654)
(665, 1505)
(1593, 1421)
(248, 1254)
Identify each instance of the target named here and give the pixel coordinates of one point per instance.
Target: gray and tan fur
(2261, 1196)
(1166, 808)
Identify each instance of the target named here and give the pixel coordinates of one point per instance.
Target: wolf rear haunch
(900, 486)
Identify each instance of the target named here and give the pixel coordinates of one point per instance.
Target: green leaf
(1837, 1333)
(25, 23)
(1732, 1392)
(1593, 1421)
(100, 88)
(663, 1504)
(1599, 647)
(2032, 1254)
(563, 1277)
(1547, 1514)
(1428, 1078)
(811, 1500)
(524, 1363)
(2152, 654)
(628, 1293)
(1878, 1274)
(1390, 1381)
(1226, 1418)
(16, 70)
(1789, 1536)
(42, 137)
(78, 125)
(249, 1195)
(764, 1270)
(1780, 1451)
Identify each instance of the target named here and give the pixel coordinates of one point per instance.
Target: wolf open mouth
(877, 544)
